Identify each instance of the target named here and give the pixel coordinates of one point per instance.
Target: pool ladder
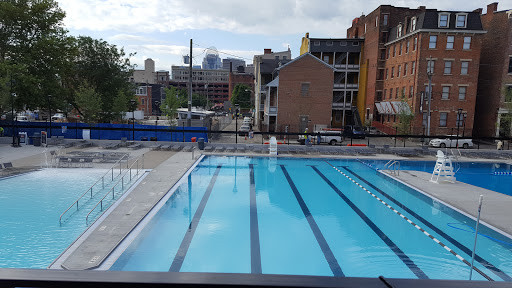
(393, 166)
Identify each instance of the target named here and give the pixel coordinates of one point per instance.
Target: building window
(276, 57)
(432, 42)
(462, 92)
(285, 57)
(467, 43)
(403, 92)
(407, 44)
(430, 66)
(399, 71)
(326, 58)
(385, 19)
(508, 94)
(406, 67)
(446, 93)
(460, 117)
(384, 94)
(442, 119)
(394, 50)
(443, 20)
(329, 43)
(510, 64)
(392, 72)
(411, 91)
(343, 43)
(397, 91)
(388, 52)
(400, 51)
(316, 43)
(376, 21)
(447, 67)
(449, 41)
(387, 73)
(425, 115)
(413, 24)
(142, 101)
(355, 43)
(461, 21)
(415, 44)
(304, 89)
(399, 31)
(390, 93)
(413, 67)
(464, 65)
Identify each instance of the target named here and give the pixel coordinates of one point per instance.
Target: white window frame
(415, 44)
(447, 20)
(467, 44)
(399, 71)
(431, 64)
(465, 90)
(385, 19)
(445, 95)
(406, 67)
(450, 43)
(464, 67)
(432, 44)
(411, 91)
(399, 31)
(377, 21)
(448, 67)
(413, 67)
(413, 24)
(465, 15)
(407, 46)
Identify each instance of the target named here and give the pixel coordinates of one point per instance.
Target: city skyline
(163, 31)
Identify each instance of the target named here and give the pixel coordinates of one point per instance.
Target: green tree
(88, 102)
(405, 117)
(171, 104)
(122, 104)
(242, 96)
(198, 100)
(506, 118)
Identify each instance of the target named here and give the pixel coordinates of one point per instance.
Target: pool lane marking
(255, 234)
(399, 253)
(413, 224)
(324, 246)
(457, 244)
(187, 239)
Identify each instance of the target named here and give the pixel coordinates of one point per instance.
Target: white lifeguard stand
(443, 170)
(273, 146)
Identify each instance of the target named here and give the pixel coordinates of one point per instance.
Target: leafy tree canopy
(242, 96)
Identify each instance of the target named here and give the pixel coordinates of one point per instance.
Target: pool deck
(97, 243)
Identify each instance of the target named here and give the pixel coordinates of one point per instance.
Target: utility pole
(429, 75)
(189, 115)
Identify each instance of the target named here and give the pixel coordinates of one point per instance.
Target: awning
(401, 107)
(379, 107)
(388, 108)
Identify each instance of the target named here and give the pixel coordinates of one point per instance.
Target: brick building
(240, 77)
(299, 96)
(448, 42)
(493, 103)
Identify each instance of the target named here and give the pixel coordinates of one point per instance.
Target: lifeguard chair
(273, 146)
(443, 170)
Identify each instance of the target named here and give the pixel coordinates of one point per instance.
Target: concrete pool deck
(168, 167)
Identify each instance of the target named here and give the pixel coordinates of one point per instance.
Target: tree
(88, 102)
(505, 128)
(405, 117)
(242, 96)
(171, 104)
(198, 100)
(121, 104)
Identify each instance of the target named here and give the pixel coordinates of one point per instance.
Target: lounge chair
(240, 148)
(220, 148)
(155, 147)
(176, 147)
(230, 149)
(134, 146)
(7, 165)
(165, 147)
(208, 148)
(188, 148)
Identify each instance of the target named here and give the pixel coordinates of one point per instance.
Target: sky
(162, 30)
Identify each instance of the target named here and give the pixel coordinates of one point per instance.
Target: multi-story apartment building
(232, 63)
(264, 66)
(147, 75)
(214, 84)
(344, 56)
(412, 42)
(494, 98)
(299, 96)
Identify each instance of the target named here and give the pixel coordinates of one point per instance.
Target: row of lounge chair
(5, 165)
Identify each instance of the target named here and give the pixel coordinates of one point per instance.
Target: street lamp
(464, 115)
(430, 72)
(237, 106)
(133, 102)
(459, 112)
(50, 113)
(14, 142)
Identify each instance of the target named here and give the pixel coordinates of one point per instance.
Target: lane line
(412, 223)
(329, 256)
(255, 234)
(456, 243)
(185, 243)
(399, 253)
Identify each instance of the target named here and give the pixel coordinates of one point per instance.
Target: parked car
(59, 117)
(355, 132)
(331, 136)
(244, 130)
(372, 130)
(22, 118)
(451, 142)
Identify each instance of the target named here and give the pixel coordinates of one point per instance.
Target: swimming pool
(326, 217)
(30, 205)
(491, 176)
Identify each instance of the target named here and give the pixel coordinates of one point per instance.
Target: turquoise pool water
(30, 206)
(486, 175)
(310, 217)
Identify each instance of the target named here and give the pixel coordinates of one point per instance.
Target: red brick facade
(294, 102)
(238, 78)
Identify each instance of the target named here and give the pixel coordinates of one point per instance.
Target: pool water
(30, 206)
(321, 217)
(474, 173)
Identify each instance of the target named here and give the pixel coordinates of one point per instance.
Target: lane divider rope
(413, 224)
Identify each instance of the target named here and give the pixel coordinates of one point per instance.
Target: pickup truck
(331, 136)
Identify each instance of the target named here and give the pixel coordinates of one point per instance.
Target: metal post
(464, 123)
(189, 114)
(476, 235)
(183, 130)
(50, 113)
(12, 117)
(103, 182)
(459, 112)
(112, 174)
(429, 75)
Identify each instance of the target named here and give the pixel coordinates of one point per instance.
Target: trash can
(36, 139)
(200, 143)
(143, 138)
(153, 139)
(193, 139)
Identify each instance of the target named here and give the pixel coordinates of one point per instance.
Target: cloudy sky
(162, 30)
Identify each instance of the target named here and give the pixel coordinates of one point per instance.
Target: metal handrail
(102, 183)
(393, 163)
(113, 187)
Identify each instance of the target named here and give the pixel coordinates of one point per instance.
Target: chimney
(267, 51)
(307, 35)
(479, 11)
(422, 8)
(493, 7)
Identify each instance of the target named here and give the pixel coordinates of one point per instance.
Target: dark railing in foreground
(78, 279)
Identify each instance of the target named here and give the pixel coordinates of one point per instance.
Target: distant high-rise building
(212, 60)
(236, 63)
